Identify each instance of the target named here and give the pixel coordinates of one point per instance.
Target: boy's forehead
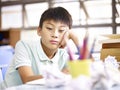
(55, 22)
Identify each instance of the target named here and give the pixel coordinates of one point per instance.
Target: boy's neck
(49, 53)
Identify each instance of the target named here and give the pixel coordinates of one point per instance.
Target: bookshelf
(9, 37)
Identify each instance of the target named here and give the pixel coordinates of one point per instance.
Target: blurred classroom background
(19, 19)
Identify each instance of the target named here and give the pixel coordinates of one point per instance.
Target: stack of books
(110, 46)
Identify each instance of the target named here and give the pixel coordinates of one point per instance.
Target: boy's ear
(39, 31)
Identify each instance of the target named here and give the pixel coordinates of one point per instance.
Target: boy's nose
(55, 34)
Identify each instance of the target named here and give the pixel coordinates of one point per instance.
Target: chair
(1, 77)
(6, 55)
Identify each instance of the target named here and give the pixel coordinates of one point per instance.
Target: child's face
(52, 33)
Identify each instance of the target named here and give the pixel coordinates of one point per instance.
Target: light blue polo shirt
(30, 53)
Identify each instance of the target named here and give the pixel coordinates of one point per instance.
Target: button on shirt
(30, 53)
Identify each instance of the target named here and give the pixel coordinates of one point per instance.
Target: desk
(38, 87)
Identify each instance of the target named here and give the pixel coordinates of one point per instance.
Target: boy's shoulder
(27, 42)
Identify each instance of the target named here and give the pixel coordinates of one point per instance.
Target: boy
(32, 56)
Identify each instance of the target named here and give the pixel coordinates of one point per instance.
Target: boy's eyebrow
(49, 23)
(54, 25)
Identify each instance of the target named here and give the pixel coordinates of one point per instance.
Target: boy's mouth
(53, 42)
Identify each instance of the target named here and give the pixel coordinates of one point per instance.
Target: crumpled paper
(104, 76)
(82, 82)
(110, 60)
(55, 78)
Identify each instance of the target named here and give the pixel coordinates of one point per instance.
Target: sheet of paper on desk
(37, 82)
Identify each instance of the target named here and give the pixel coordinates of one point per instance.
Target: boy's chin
(54, 47)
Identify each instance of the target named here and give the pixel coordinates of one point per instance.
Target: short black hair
(57, 14)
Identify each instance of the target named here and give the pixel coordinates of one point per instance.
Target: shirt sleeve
(63, 62)
(21, 57)
(66, 60)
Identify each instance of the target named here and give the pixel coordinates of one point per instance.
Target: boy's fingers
(64, 40)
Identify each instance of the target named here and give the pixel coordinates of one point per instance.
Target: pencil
(79, 52)
(84, 47)
(92, 48)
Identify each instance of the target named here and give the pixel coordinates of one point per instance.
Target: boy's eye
(49, 28)
(61, 31)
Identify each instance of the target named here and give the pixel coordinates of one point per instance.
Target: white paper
(37, 82)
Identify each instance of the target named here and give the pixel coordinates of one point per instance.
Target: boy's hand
(64, 40)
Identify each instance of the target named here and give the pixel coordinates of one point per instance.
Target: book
(110, 46)
(111, 38)
(115, 52)
(110, 41)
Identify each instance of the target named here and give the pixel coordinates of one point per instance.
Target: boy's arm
(74, 38)
(70, 35)
(27, 74)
